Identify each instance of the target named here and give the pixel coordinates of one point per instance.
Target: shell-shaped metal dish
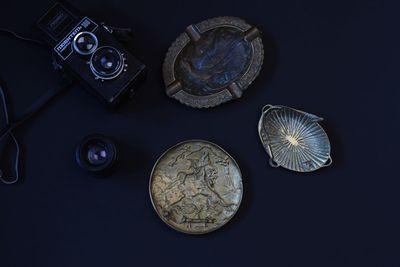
(294, 139)
(213, 61)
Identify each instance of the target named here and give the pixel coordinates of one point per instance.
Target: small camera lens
(85, 43)
(96, 153)
(107, 63)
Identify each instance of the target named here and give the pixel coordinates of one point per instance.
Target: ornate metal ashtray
(213, 62)
(196, 187)
(294, 139)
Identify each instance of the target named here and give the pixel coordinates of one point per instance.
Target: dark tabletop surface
(336, 59)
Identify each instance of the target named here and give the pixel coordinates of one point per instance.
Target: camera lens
(107, 63)
(96, 153)
(85, 43)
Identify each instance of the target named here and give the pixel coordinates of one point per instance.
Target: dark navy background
(336, 59)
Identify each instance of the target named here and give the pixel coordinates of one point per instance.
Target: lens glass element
(85, 43)
(107, 62)
(97, 154)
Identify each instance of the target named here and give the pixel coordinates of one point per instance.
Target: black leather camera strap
(40, 103)
(29, 113)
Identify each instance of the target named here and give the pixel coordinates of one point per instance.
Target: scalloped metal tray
(294, 139)
(213, 61)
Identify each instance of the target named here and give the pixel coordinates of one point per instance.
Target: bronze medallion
(196, 187)
(213, 61)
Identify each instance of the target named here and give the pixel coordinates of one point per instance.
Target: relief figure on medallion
(201, 203)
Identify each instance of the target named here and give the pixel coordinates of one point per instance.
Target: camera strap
(39, 104)
(29, 113)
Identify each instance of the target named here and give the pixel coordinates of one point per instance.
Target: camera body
(90, 52)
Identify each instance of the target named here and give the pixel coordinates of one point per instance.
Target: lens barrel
(106, 63)
(96, 153)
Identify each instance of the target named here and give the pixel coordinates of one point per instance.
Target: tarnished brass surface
(213, 61)
(196, 187)
(294, 139)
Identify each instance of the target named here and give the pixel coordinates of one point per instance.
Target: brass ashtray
(213, 61)
(196, 187)
(294, 139)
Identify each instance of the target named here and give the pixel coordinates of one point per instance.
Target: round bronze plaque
(213, 62)
(196, 187)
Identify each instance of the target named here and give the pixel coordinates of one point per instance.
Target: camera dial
(107, 63)
(85, 43)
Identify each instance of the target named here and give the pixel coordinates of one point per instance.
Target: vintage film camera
(89, 51)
